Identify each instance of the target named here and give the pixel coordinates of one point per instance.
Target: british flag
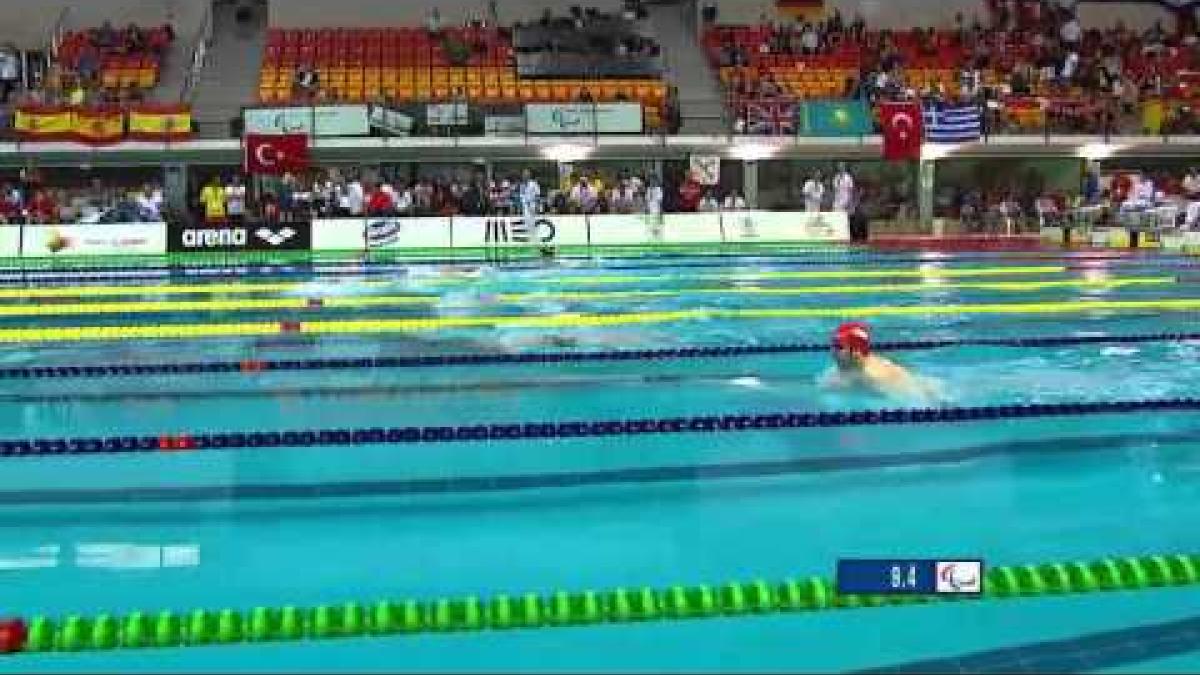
(772, 118)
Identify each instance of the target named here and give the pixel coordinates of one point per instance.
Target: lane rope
(318, 301)
(236, 440)
(564, 320)
(562, 608)
(444, 360)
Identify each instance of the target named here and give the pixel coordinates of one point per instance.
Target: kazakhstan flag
(835, 118)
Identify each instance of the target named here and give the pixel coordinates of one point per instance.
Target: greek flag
(953, 123)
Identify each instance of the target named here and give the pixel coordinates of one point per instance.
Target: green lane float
(142, 630)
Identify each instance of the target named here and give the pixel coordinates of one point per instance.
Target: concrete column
(750, 183)
(925, 185)
(175, 186)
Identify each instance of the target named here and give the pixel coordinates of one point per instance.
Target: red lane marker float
(13, 636)
(168, 443)
(252, 366)
(289, 326)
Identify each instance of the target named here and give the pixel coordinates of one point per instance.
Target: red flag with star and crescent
(901, 122)
(275, 154)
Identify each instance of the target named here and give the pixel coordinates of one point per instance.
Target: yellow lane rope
(264, 328)
(280, 287)
(342, 302)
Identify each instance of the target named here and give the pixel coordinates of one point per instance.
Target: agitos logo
(516, 231)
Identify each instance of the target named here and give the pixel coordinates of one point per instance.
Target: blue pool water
(305, 526)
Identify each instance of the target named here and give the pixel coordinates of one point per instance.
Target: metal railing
(200, 47)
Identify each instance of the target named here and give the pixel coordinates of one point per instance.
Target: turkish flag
(901, 123)
(275, 154)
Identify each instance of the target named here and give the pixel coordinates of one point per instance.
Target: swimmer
(857, 367)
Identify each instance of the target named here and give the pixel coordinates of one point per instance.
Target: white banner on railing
(46, 241)
(10, 241)
(500, 231)
(751, 226)
(571, 230)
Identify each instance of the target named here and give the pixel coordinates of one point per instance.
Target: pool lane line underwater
(254, 366)
(317, 301)
(262, 287)
(563, 320)
(563, 608)
(15, 449)
(51, 275)
(639, 475)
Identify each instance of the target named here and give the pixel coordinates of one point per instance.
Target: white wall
(909, 13)
(30, 21)
(386, 13)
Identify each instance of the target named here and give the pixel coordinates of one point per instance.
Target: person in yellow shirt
(212, 198)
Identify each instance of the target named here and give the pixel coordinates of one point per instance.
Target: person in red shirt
(42, 208)
(690, 193)
(380, 202)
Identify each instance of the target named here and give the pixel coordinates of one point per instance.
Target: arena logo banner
(231, 238)
(50, 241)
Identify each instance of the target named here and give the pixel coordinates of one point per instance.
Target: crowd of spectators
(588, 32)
(1021, 53)
(353, 193)
(29, 200)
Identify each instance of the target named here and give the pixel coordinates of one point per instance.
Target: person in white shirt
(1071, 32)
(654, 197)
(583, 196)
(843, 189)
(404, 201)
(709, 202)
(531, 196)
(1141, 194)
(1070, 66)
(814, 191)
(356, 198)
(149, 211)
(235, 199)
(734, 202)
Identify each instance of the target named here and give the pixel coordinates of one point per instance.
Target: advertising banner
(447, 115)
(400, 233)
(752, 226)
(628, 230)
(320, 120)
(691, 228)
(391, 121)
(499, 231)
(583, 118)
(232, 238)
(46, 241)
(10, 241)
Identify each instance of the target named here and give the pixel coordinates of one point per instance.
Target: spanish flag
(149, 122)
(99, 126)
(44, 123)
(801, 9)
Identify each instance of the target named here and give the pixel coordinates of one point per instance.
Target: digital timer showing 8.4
(909, 576)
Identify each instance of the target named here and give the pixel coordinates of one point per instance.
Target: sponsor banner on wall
(504, 125)
(319, 120)
(499, 231)
(231, 238)
(447, 115)
(691, 228)
(355, 234)
(391, 121)
(751, 226)
(46, 241)
(10, 241)
(627, 229)
(583, 118)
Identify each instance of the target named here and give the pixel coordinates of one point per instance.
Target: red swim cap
(854, 336)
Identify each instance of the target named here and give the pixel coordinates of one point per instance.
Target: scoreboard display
(883, 576)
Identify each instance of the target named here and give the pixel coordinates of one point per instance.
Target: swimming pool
(379, 502)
